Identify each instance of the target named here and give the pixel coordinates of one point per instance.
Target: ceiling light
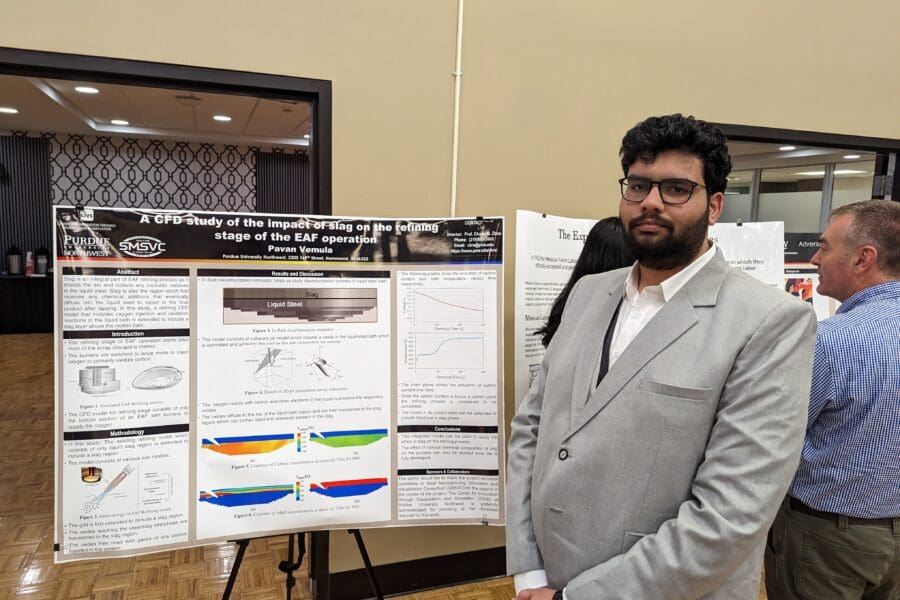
(787, 148)
(119, 122)
(836, 172)
(83, 89)
(851, 156)
(306, 137)
(6, 110)
(223, 118)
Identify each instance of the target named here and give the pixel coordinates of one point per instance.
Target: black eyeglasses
(672, 191)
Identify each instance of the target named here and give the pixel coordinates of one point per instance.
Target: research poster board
(548, 246)
(801, 278)
(223, 376)
(755, 248)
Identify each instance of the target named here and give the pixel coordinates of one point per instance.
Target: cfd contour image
(157, 378)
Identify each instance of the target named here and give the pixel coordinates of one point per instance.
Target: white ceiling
(51, 105)
(787, 166)
(746, 156)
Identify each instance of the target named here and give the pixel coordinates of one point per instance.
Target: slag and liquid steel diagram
(252, 306)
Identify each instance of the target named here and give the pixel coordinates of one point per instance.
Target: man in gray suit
(650, 455)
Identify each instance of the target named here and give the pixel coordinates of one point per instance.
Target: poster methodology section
(222, 376)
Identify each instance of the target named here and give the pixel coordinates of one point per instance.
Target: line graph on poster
(445, 305)
(455, 351)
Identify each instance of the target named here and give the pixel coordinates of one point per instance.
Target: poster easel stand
(365, 558)
(289, 566)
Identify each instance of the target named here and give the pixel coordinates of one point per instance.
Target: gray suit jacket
(662, 481)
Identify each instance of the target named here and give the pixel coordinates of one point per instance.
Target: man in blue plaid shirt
(837, 534)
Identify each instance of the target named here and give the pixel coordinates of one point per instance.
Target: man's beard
(670, 251)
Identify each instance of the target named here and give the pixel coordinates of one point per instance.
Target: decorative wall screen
(151, 173)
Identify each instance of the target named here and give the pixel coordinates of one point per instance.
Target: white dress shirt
(637, 308)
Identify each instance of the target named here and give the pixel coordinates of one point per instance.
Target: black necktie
(607, 341)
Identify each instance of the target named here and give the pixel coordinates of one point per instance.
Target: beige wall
(548, 90)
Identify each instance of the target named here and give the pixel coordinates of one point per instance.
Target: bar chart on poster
(215, 381)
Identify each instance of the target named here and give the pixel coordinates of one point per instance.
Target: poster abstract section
(235, 375)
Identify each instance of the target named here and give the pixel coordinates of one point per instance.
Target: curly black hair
(648, 138)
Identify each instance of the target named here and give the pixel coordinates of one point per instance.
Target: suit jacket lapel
(592, 328)
(670, 323)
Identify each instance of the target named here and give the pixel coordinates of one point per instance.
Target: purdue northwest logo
(142, 246)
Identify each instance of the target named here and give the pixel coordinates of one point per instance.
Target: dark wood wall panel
(283, 183)
(25, 209)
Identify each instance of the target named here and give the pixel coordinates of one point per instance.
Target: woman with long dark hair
(604, 250)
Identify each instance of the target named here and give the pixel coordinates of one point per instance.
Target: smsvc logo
(142, 246)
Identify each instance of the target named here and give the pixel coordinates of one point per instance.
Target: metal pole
(827, 195)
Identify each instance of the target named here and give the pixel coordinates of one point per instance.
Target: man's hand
(543, 593)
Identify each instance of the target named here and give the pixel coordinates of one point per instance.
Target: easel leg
(368, 564)
(289, 566)
(319, 576)
(242, 547)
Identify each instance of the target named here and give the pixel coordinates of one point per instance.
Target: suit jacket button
(563, 454)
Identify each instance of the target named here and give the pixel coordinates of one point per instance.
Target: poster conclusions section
(235, 375)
